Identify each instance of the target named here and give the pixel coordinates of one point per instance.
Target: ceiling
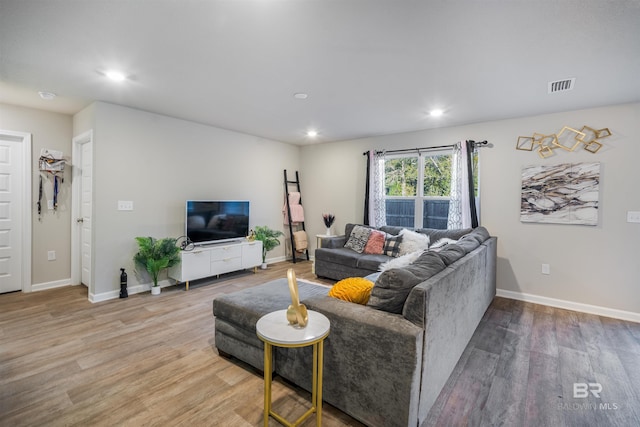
(369, 67)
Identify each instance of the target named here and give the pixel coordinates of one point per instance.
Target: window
(417, 189)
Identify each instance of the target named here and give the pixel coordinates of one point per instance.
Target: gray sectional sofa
(334, 261)
(383, 368)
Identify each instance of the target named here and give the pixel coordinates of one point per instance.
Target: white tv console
(216, 259)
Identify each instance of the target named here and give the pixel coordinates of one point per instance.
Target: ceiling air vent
(561, 85)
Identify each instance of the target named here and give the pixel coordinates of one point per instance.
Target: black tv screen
(213, 221)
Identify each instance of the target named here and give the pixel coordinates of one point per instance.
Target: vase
(155, 290)
(328, 231)
(263, 266)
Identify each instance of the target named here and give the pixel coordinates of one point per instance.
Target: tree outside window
(417, 189)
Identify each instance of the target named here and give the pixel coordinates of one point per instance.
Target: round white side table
(274, 330)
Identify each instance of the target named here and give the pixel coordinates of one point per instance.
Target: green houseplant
(269, 239)
(156, 255)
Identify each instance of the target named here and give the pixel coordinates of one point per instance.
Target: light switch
(633, 216)
(125, 205)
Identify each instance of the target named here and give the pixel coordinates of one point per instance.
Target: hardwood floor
(152, 361)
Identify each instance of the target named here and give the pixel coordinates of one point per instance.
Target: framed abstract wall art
(566, 193)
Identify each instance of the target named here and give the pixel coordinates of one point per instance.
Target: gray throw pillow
(393, 286)
(468, 243)
(451, 253)
(358, 238)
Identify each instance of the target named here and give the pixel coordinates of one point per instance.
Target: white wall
(593, 265)
(159, 162)
(51, 231)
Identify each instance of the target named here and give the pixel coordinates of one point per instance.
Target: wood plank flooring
(152, 361)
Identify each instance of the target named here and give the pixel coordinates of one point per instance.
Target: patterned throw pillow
(352, 289)
(375, 245)
(392, 245)
(358, 238)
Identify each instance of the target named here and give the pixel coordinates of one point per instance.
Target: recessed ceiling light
(115, 75)
(436, 113)
(47, 96)
(300, 95)
(312, 133)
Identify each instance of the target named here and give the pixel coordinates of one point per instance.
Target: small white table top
(275, 328)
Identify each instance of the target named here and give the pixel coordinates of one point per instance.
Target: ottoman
(236, 315)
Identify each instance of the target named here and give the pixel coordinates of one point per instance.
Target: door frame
(76, 188)
(24, 139)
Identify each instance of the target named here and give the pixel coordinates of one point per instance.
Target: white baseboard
(131, 290)
(570, 305)
(50, 285)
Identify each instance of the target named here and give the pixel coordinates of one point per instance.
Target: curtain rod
(408, 150)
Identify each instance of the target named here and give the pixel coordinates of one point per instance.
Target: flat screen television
(215, 221)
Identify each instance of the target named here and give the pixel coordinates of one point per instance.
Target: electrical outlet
(50, 205)
(51, 255)
(125, 205)
(546, 269)
(633, 216)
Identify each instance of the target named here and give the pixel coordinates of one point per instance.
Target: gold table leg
(267, 383)
(316, 387)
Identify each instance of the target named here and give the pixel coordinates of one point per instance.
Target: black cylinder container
(123, 284)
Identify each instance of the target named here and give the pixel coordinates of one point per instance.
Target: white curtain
(377, 207)
(459, 202)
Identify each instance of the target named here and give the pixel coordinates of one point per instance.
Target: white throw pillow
(401, 261)
(413, 241)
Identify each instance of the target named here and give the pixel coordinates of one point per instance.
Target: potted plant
(156, 255)
(269, 239)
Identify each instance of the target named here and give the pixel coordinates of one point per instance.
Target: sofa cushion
(394, 230)
(352, 289)
(437, 234)
(371, 261)
(245, 307)
(393, 286)
(401, 261)
(358, 238)
(471, 241)
(451, 253)
(340, 256)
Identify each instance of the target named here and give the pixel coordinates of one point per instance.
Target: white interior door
(11, 213)
(86, 198)
(82, 210)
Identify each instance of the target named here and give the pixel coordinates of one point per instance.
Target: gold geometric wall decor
(579, 138)
(546, 144)
(593, 146)
(524, 143)
(545, 151)
(589, 141)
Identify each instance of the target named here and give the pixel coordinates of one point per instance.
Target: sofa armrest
(333, 242)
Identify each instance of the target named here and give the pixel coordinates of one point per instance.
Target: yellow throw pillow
(352, 289)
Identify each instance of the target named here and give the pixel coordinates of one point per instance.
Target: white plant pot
(155, 290)
(263, 266)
